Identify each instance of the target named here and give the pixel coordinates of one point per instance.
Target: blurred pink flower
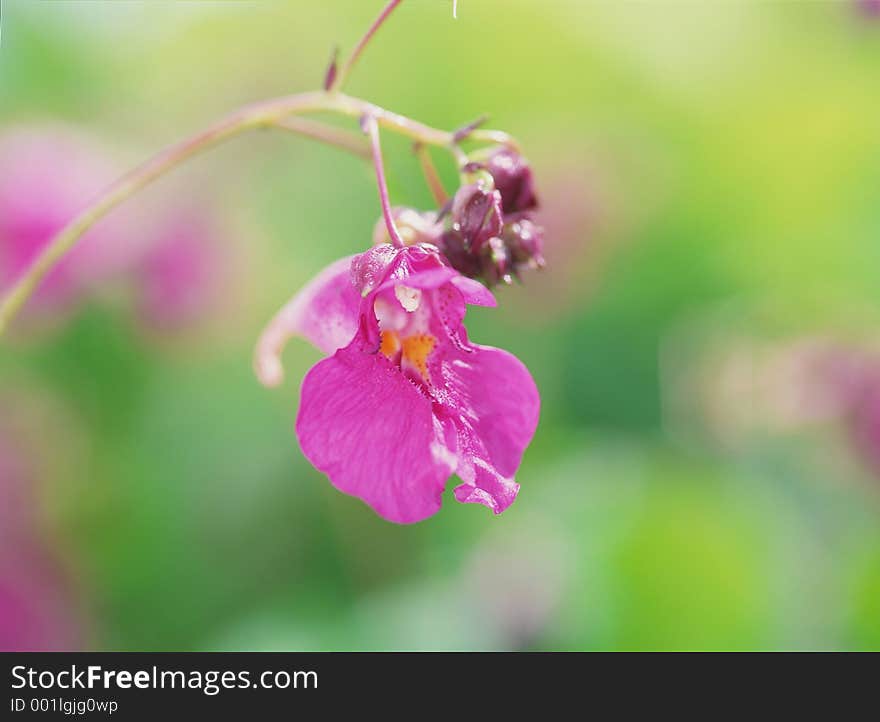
(47, 176)
(406, 399)
(866, 423)
(35, 606)
(14, 482)
(576, 208)
(870, 8)
(515, 583)
(171, 259)
(36, 610)
(744, 390)
(182, 275)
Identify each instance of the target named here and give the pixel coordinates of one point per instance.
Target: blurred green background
(709, 173)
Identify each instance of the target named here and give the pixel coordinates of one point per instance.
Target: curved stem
(337, 82)
(372, 129)
(495, 136)
(326, 134)
(244, 119)
(260, 115)
(356, 107)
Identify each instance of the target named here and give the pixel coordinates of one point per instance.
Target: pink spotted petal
(474, 292)
(372, 432)
(324, 312)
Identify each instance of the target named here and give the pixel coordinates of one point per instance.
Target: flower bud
(476, 214)
(524, 241)
(513, 179)
(490, 234)
(495, 262)
(460, 257)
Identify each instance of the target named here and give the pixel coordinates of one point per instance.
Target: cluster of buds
(486, 231)
(490, 233)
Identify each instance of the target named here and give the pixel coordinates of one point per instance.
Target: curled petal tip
(497, 499)
(267, 354)
(269, 370)
(324, 312)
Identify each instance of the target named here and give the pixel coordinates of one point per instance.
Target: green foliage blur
(698, 164)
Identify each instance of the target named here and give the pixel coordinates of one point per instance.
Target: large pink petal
(324, 312)
(493, 404)
(495, 392)
(372, 432)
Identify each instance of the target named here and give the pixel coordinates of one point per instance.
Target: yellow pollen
(416, 350)
(390, 344)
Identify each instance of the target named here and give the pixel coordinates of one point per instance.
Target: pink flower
(405, 400)
(172, 260)
(37, 605)
(866, 423)
(870, 8)
(36, 609)
(181, 277)
(48, 175)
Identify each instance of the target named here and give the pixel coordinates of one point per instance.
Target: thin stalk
(326, 134)
(495, 136)
(429, 170)
(247, 118)
(337, 82)
(371, 127)
(260, 115)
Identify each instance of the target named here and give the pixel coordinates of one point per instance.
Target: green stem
(323, 133)
(339, 81)
(372, 130)
(432, 177)
(261, 115)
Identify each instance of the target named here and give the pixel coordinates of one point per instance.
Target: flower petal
(474, 292)
(324, 312)
(372, 432)
(496, 393)
(487, 488)
(493, 404)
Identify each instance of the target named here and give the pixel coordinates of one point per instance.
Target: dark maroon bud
(476, 214)
(513, 179)
(495, 262)
(524, 240)
(459, 255)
